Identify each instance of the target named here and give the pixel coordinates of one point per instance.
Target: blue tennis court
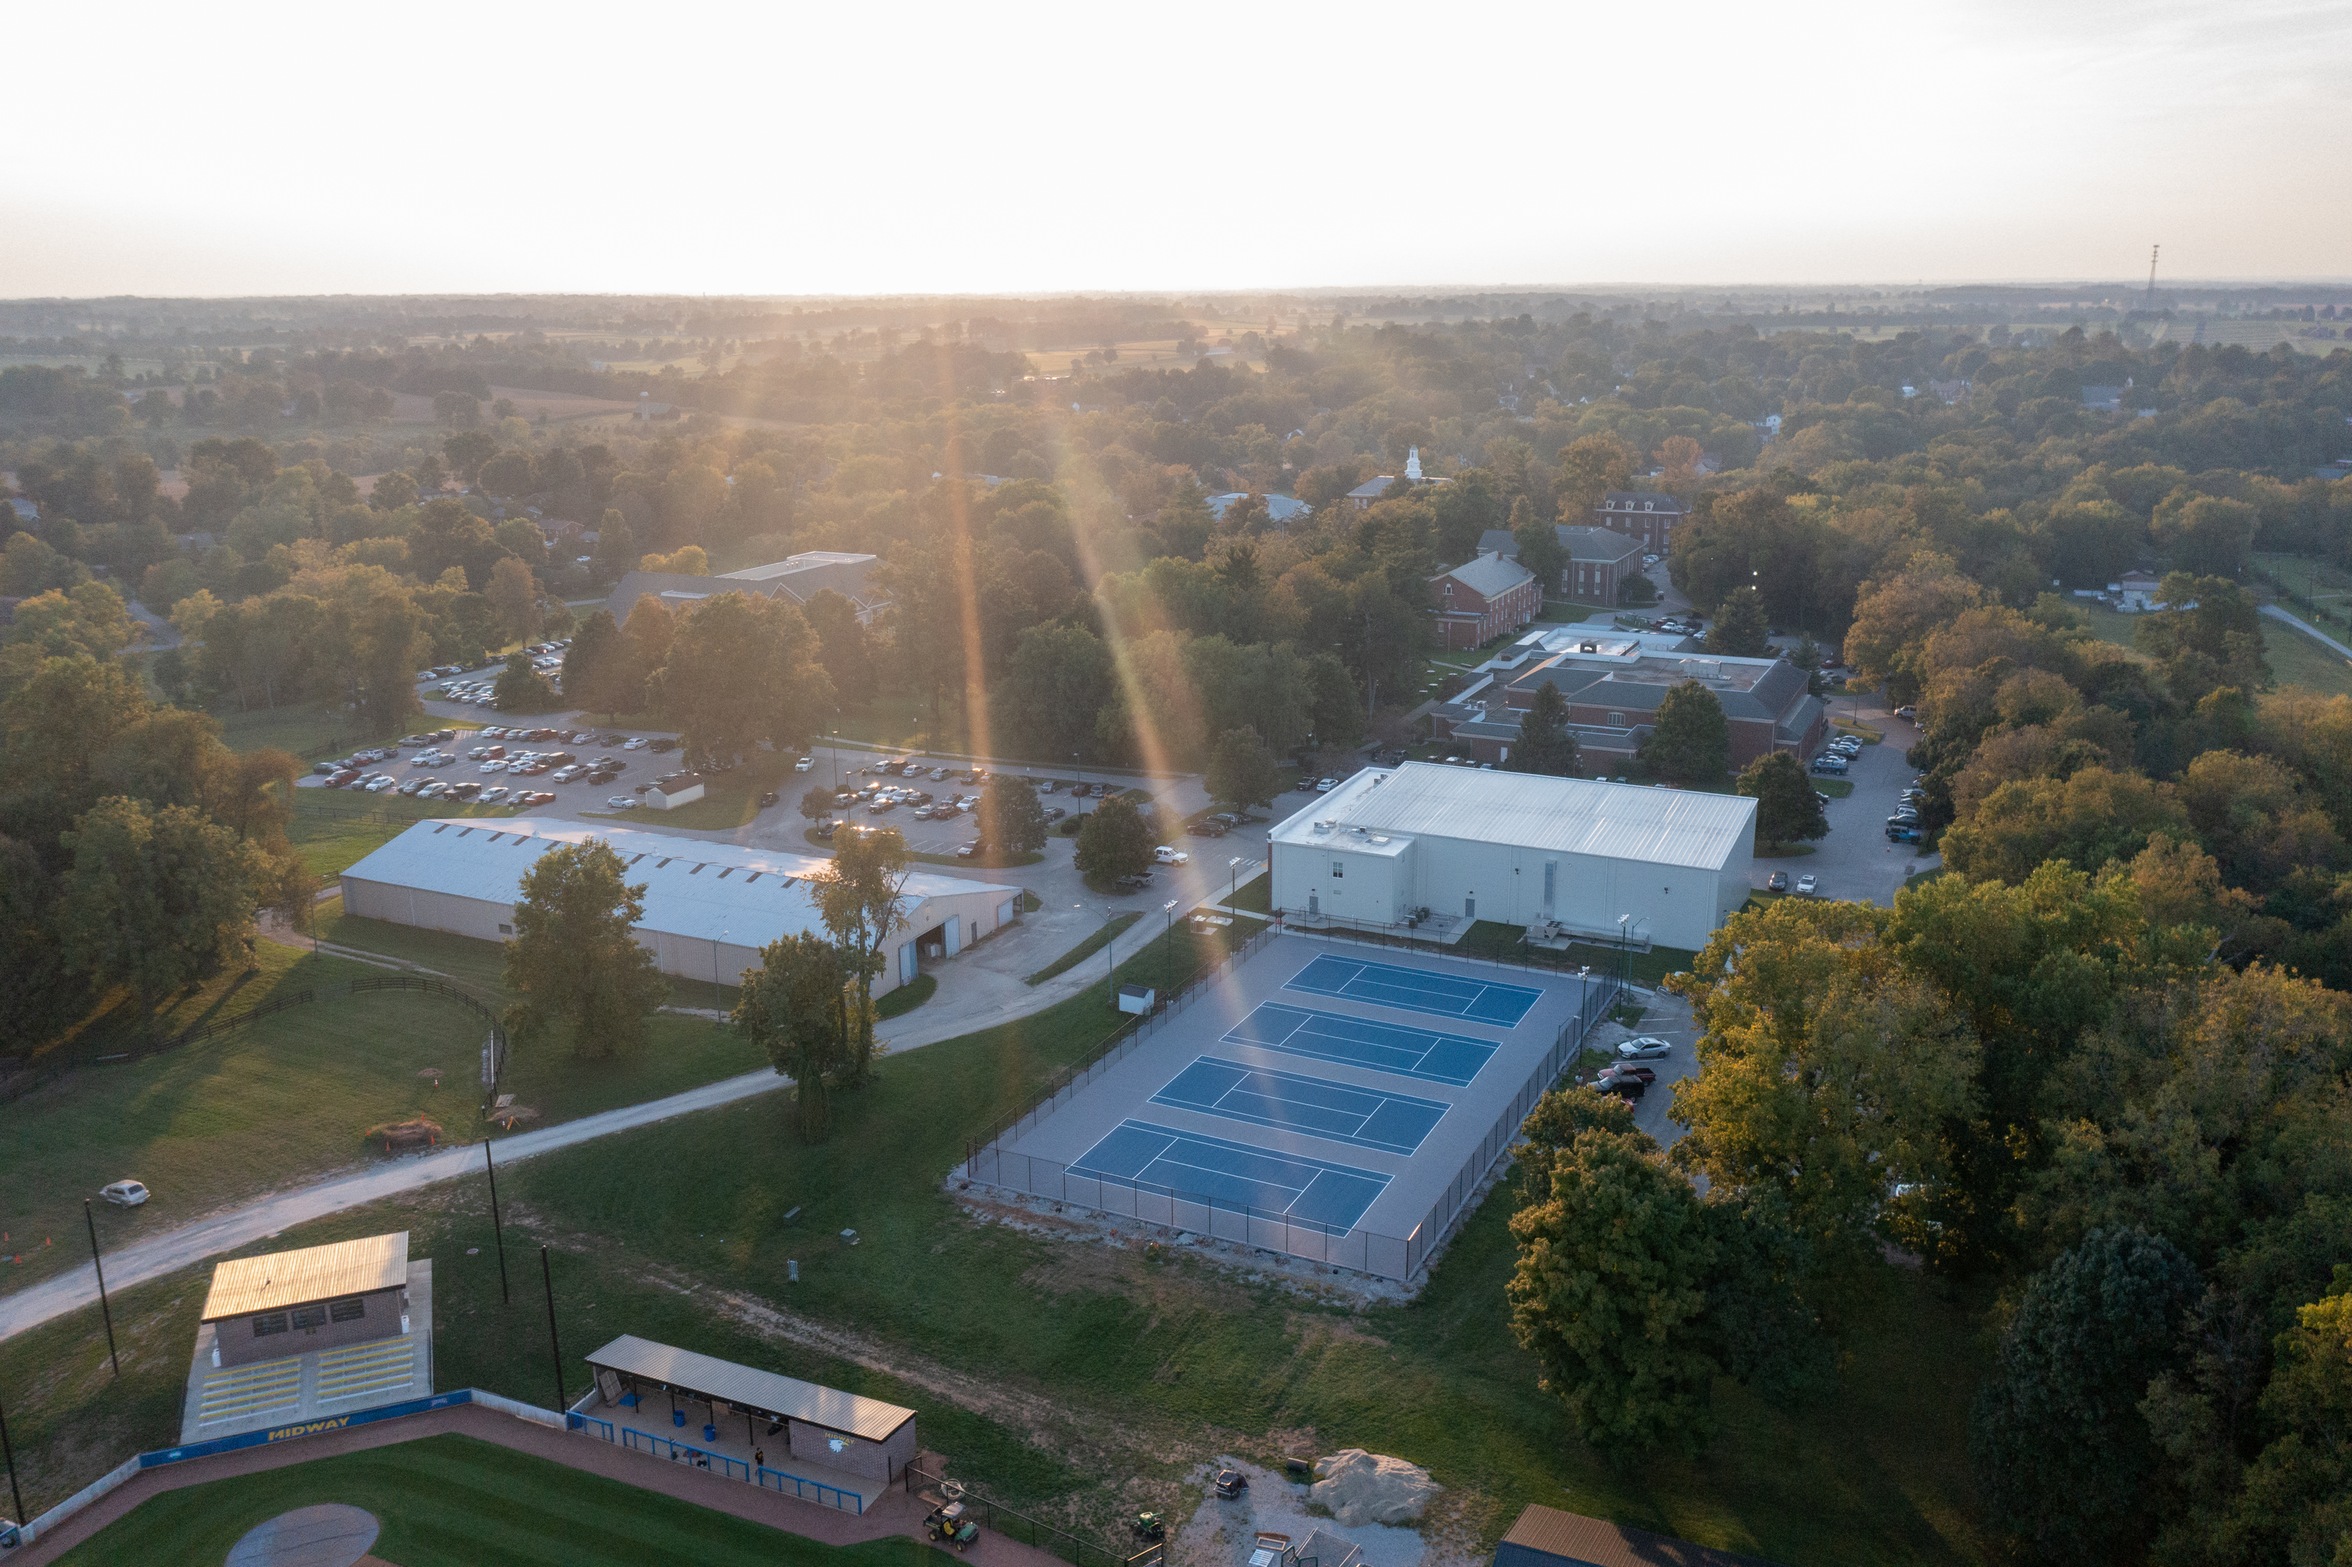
(1416, 990)
(1367, 1117)
(1383, 1047)
(1208, 1168)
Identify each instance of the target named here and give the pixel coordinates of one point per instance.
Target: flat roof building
(1567, 856)
(709, 906)
(797, 578)
(1613, 686)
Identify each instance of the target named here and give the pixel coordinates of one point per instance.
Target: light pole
(1169, 908)
(1232, 880)
(105, 1310)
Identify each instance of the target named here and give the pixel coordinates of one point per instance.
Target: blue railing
(811, 1490)
(681, 1452)
(579, 1422)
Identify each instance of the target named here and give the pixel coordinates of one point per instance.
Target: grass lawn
(1120, 1369)
(334, 830)
(2297, 660)
(907, 997)
(1493, 939)
(286, 1098)
(304, 729)
(1255, 895)
(453, 1501)
(1835, 788)
(1110, 930)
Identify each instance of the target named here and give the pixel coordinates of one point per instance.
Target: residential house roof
(1643, 500)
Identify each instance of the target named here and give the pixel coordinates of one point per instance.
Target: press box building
(1518, 848)
(709, 907)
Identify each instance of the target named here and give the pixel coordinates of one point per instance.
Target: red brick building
(1483, 599)
(1613, 692)
(1647, 515)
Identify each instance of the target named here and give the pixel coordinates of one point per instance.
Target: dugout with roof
(822, 1426)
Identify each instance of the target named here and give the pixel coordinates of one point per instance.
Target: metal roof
(1545, 1536)
(299, 1278)
(1490, 576)
(748, 1387)
(696, 887)
(1530, 810)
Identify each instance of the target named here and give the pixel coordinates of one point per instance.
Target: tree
(1740, 629)
(2062, 1454)
(1058, 679)
(1242, 770)
(600, 670)
(514, 598)
(522, 688)
(1788, 809)
(615, 554)
(1691, 741)
(862, 900)
(575, 966)
(843, 646)
(1011, 820)
(817, 802)
(1540, 549)
(794, 1007)
(2297, 1501)
(1545, 744)
(507, 474)
(2086, 819)
(155, 900)
(741, 670)
(1116, 841)
(1610, 1289)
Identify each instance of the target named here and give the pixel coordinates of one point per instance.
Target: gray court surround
(331, 1534)
(1320, 1098)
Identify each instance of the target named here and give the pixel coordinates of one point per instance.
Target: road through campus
(266, 1216)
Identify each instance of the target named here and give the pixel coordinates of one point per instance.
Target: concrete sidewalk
(257, 1220)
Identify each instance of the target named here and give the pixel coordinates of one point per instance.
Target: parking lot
(1856, 861)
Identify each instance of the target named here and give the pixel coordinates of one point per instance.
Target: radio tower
(2152, 251)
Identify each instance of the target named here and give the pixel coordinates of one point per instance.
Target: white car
(800, 766)
(633, 743)
(124, 1194)
(1165, 855)
(620, 802)
(1647, 1047)
(491, 795)
(1808, 885)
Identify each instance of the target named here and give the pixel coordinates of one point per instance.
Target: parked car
(1907, 713)
(1326, 785)
(767, 798)
(1643, 1047)
(1903, 835)
(1165, 855)
(1808, 885)
(634, 743)
(1619, 1069)
(1629, 1089)
(124, 1194)
(665, 743)
(492, 795)
(1776, 882)
(1830, 764)
(965, 851)
(621, 802)
(801, 765)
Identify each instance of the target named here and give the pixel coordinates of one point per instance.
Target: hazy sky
(672, 145)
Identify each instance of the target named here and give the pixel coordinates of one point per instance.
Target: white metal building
(709, 907)
(1596, 859)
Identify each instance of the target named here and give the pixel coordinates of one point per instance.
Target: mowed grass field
(286, 1099)
(2295, 659)
(453, 1501)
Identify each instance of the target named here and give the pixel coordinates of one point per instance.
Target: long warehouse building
(1591, 859)
(709, 907)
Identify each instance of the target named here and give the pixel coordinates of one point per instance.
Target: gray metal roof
(1601, 544)
(748, 1387)
(693, 886)
(1529, 810)
(1547, 1537)
(1491, 576)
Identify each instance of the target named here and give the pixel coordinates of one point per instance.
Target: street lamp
(1169, 908)
(1232, 880)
